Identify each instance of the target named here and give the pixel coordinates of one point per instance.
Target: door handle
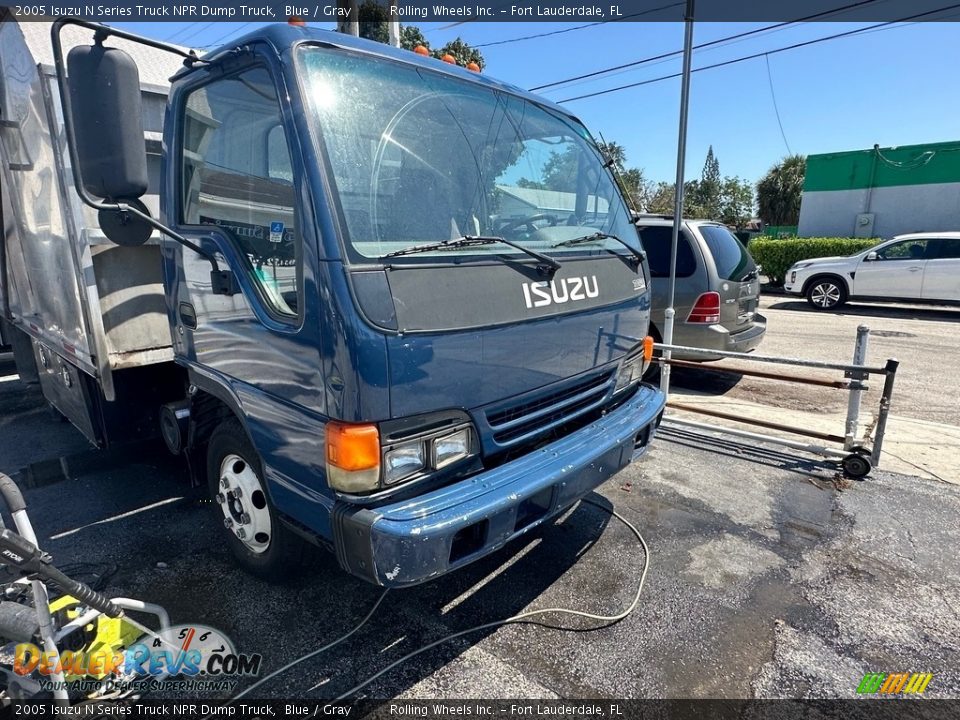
(188, 315)
(915, 269)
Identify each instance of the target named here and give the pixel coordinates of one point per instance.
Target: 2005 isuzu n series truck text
(379, 302)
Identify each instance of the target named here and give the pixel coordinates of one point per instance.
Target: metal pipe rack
(857, 457)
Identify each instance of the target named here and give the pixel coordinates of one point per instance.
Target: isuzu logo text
(557, 292)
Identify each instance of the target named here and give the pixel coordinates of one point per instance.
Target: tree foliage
(462, 52)
(633, 181)
(637, 188)
(779, 191)
(706, 194)
(736, 202)
(726, 199)
(411, 36)
(661, 199)
(613, 152)
(559, 172)
(373, 18)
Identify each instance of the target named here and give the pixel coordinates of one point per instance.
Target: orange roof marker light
(421, 50)
(448, 58)
(473, 66)
(297, 21)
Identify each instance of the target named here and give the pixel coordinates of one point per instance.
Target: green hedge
(776, 255)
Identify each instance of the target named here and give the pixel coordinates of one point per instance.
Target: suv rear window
(729, 255)
(656, 242)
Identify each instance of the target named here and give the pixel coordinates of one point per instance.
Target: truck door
(235, 191)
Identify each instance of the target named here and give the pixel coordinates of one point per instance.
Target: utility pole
(394, 25)
(670, 313)
(350, 25)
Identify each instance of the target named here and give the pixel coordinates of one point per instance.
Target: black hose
(81, 592)
(11, 494)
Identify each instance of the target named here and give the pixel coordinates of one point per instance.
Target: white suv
(923, 267)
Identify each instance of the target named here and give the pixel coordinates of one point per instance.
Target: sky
(895, 86)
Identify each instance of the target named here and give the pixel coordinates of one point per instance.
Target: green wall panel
(888, 167)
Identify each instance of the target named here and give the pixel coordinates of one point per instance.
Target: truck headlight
(403, 461)
(634, 365)
(629, 373)
(362, 459)
(450, 448)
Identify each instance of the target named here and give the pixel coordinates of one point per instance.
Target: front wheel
(826, 293)
(257, 538)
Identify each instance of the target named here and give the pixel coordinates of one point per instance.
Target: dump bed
(97, 305)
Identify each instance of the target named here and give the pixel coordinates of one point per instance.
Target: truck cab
(425, 331)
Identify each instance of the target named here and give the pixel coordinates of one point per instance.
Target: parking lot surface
(768, 578)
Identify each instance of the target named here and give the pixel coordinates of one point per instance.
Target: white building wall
(896, 210)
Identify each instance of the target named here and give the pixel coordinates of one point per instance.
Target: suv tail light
(706, 309)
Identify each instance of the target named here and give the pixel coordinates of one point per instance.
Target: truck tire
(261, 543)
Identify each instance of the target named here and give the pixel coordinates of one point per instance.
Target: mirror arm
(223, 281)
(157, 225)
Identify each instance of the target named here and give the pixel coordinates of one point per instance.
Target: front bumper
(417, 539)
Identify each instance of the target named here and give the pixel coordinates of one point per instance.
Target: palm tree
(780, 190)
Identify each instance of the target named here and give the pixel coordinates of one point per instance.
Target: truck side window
(236, 174)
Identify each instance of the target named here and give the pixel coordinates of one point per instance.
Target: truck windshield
(420, 157)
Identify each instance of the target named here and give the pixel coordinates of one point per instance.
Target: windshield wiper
(640, 255)
(474, 240)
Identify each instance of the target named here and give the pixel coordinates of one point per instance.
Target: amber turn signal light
(353, 447)
(647, 349)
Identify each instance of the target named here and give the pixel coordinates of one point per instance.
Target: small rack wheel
(856, 466)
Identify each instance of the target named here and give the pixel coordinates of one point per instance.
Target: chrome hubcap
(825, 295)
(244, 504)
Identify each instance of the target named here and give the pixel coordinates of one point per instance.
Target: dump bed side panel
(101, 306)
(42, 282)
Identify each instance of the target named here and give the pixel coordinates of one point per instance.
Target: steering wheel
(529, 222)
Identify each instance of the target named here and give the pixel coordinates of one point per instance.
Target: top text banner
(461, 11)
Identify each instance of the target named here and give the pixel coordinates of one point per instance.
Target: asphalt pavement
(769, 577)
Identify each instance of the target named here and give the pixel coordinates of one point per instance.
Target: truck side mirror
(107, 119)
(871, 256)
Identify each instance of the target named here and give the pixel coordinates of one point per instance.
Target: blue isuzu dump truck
(379, 302)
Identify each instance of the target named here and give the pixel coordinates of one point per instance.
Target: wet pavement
(769, 577)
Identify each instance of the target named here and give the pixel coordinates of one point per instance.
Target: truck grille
(533, 414)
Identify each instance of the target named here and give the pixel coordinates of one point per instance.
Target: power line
(196, 31)
(773, 97)
(703, 45)
(761, 54)
(229, 33)
(579, 27)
